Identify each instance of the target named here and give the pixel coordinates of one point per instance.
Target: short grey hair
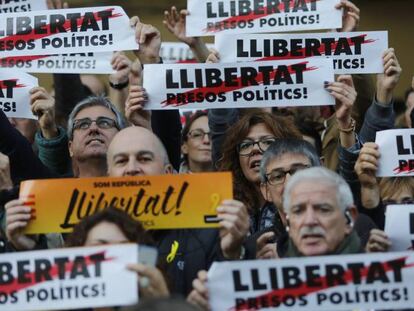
(320, 174)
(93, 101)
(288, 145)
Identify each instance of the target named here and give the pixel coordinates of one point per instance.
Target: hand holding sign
(43, 106)
(366, 168)
(122, 66)
(134, 107)
(17, 217)
(57, 5)
(234, 226)
(378, 241)
(156, 286)
(350, 17)
(264, 249)
(387, 81)
(344, 92)
(213, 57)
(149, 39)
(199, 294)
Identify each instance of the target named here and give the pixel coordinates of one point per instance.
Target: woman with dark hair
(116, 227)
(196, 145)
(242, 151)
(113, 226)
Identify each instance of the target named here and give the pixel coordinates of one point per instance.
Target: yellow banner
(159, 202)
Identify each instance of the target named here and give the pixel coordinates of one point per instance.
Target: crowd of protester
(304, 179)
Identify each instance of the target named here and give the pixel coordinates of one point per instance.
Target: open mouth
(255, 164)
(95, 141)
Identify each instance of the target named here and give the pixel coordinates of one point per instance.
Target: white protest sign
(352, 52)
(210, 17)
(14, 6)
(69, 278)
(345, 282)
(88, 63)
(399, 226)
(82, 30)
(178, 52)
(244, 85)
(397, 152)
(14, 93)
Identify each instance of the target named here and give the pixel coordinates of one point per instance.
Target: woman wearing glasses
(242, 151)
(196, 145)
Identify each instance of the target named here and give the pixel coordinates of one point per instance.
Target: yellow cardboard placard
(159, 202)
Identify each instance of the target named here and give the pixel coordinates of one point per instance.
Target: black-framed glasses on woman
(246, 147)
(278, 176)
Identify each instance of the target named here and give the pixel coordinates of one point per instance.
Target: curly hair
(280, 127)
(132, 229)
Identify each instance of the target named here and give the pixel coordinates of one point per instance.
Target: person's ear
(350, 214)
(70, 148)
(168, 169)
(265, 192)
(184, 148)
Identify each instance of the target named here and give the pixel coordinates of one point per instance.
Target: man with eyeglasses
(91, 126)
(282, 159)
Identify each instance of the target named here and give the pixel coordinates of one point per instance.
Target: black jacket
(197, 249)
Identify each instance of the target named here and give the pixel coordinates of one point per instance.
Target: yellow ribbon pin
(173, 252)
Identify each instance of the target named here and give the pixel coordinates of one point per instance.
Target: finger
(380, 240)
(369, 167)
(198, 300)
(136, 88)
(230, 227)
(388, 53)
(11, 205)
(13, 227)
(200, 287)
(232, 210)
(370, 151)
(18, 218)
(347, 80)
(232, 203)
(369, 158)
(133, 21)
(175, 15)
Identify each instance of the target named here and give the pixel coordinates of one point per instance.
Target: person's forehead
(200, 123)
(313, 192)
(286, 160)
(106, 231)
(258, 130)
(94, 112)
(130, 144)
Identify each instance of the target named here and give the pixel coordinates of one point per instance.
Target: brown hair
(184, 133)
(132, 229)
(281, 127)
(391, 185)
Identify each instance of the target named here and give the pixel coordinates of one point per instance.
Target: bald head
(137, 151)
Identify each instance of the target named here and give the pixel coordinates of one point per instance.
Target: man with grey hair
(281, 160)
(91, 126)
(319, 210)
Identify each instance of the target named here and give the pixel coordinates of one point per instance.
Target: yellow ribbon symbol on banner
(215, 200)
(173, 252)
